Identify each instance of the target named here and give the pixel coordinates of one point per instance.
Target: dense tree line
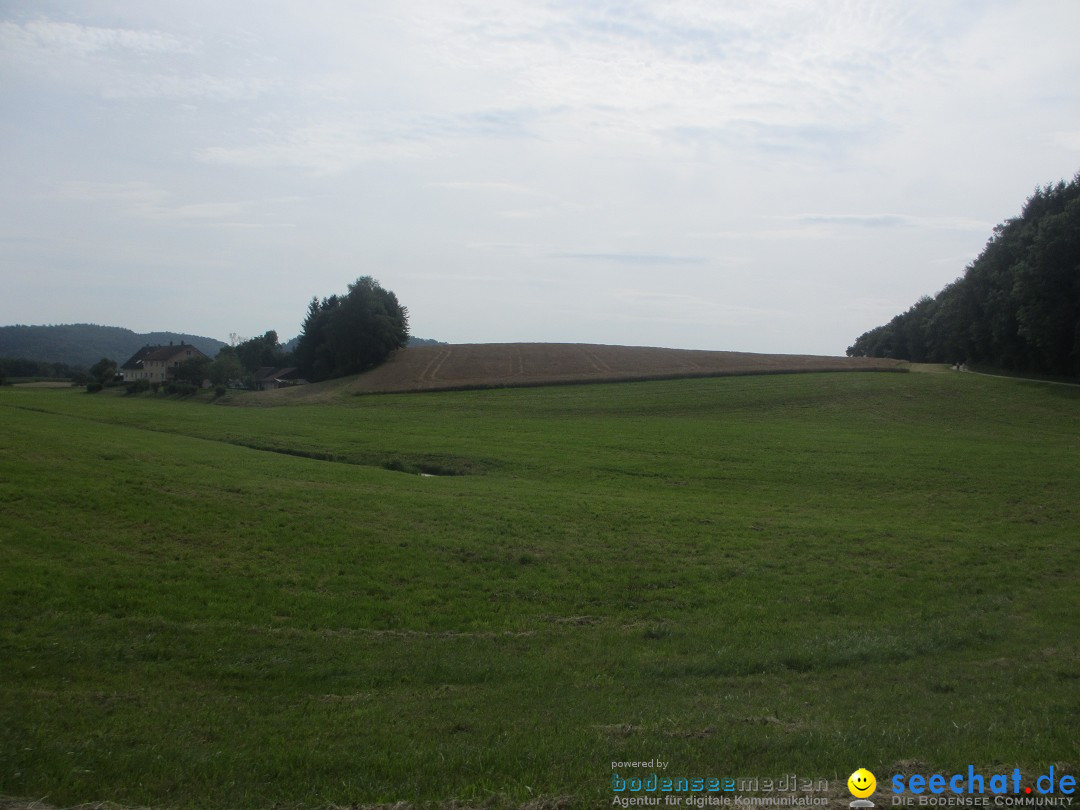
(347, 334)
(1016, 307)
(22, 368)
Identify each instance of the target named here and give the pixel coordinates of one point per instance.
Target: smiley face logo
(861, 783)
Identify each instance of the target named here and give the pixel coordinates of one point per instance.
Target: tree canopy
(103, 371)
(347, 334)
(1016, 307)
(21, 367)
(261, 351)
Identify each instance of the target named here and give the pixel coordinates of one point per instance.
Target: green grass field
(228, 607)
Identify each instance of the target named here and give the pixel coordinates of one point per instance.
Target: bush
(183, 389)
(138, 386)
(219, 391)
(94, 387)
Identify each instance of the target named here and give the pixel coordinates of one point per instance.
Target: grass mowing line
(392, 463)
(1023, 379)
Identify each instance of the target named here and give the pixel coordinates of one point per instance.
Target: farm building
(158, 363)
(267, 378)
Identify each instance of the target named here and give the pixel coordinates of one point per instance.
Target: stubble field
(497, 365)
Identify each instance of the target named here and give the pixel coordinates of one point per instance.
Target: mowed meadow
(213, 606)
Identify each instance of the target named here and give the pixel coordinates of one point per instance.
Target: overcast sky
(766, 176)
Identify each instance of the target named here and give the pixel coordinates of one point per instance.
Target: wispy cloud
(324, 149)
(338, 139)
(40, 40)
(893, 221)
(816, 139)
(641, 259)
(120, 63)
(134, 195)
(143, 200)
(653, 297)
(856, 220)
(483, 185)
(702, 66)
(645, 304)
(1068, 139)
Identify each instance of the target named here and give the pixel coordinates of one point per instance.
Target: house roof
(268, 373)
(159, 353)
(136, 359)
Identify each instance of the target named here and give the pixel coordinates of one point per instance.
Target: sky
(767, 176)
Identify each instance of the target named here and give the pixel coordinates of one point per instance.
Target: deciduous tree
(104, 370)
(351, 333)
(1016, 307)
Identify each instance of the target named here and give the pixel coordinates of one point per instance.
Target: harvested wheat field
(497, 365)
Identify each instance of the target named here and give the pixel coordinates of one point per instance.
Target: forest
(1016, 307)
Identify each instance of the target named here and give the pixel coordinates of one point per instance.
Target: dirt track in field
(497, 365)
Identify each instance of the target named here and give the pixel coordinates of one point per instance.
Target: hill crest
(83, 344)
(509, 365)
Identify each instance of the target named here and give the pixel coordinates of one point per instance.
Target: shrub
(94, 387)
(184, 389)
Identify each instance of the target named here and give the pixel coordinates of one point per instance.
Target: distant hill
(83, 344)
